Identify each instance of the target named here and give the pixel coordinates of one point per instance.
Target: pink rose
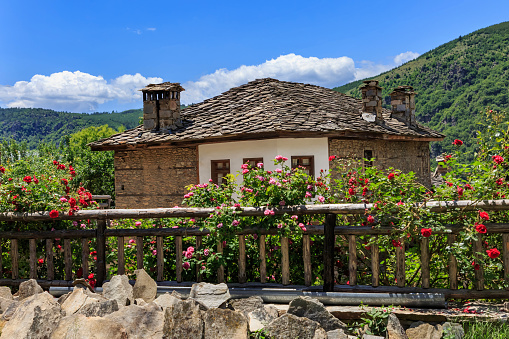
(186, 265)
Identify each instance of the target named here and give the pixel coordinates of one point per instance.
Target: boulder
(210, 295)
(140, 302)
(314, 310)
(79, 326)
(36, 317)
(76, 299)
(118, 288)
(140, 321)
(99, 308)
(369, 336)
(176, 295)
(63, 298)
(145, 287)
(5, 292)
(28, 288)
(183, 320)
(224, 324)
(422, 330)
(340, 334)
(261, 317)
(8, 307)
(453, 330)
(394, 328)
(166, 300)
(291, 326)
(246, 305)
(94, 295)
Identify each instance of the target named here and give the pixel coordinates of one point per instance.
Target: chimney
(161, 106)
(371, 101)
(403, 104)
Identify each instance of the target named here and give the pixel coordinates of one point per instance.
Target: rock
(140, 321)
(224, 324)
(261, 317)
(28, 288)
(8, 307)
(94, 295)
(145, 287)
(5, 292)
(210, 295)
(176, 295)
(183, 320)
(453, 330)
(75, 301)
(140, 302)
(118, 288)
(246, 305)
(339, 334)
(63, 298)
(166, 300)
(99, 308)
(314, 310)
(369, 336)
(36, 317)
(394, 328)
(291, 326)
(79, 326)
(422, 330)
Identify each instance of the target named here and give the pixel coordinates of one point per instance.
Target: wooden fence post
(306, 253)
(453, 264)
(14, 258)
(285, 261)
(479, 274)
(263, 261)
(328, 252)
(49, 260)
(400, 263)
(425, 262)
(375, 263)
(33, 258)
(352, 260)
(242, 259)
(101, 252)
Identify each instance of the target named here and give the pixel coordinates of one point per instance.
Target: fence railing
(328, 229)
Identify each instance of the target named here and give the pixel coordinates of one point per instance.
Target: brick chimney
(161, 106)
(403, 104)
(371, 101)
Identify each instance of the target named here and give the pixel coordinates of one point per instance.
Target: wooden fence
(329, 230)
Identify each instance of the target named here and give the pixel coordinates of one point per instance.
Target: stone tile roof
(269, 107)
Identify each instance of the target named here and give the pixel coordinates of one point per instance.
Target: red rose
(53, 214)
(79, 273)
(351, 191)
(332, 157)
(40, 261)
(480, 228)
(426, 232)
(2, 169)
(460, 191)
(64, 182)
(498, 159)
(493, 253)
(484, 215)
(469, 187)
(476, 266)
(500, 181)
(457, 142)
(390, 176)
(36, 180)
(72, 202)
(371, 219)
(396, 243)
(92, 283)
(27, 179)
(91, 276)
(55, 162)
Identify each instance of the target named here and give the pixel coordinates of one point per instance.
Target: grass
(486, 330)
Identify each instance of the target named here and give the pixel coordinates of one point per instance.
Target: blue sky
(94, 55)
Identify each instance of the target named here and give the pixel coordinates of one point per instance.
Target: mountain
(37, 124)
(455, 83)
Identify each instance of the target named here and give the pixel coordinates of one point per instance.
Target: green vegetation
(478, 330)
(454, 83)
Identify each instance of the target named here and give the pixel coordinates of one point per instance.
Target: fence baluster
(101, 252)
(85, 253)
(49, 260)
(139, 253)
(121, 255)
(33, 258)
(453, 264)
(375, 263)
(178, 250)
(67, 259)
(242, 259)
(199, 277)
(306, 254)
(220, 270)
(328, 252)
(400, 263)
(14, 258)
(352, 259)
(263, 262)
(505, 246)
(160, 258)
(425, 262)
(285, 261)
(479, 274)
(1, 263)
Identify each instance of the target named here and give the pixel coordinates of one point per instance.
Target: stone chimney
(161, 106)
(371, 101)
(403, 104)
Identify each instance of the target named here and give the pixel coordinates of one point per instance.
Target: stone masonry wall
(153, 178)
(403, 155)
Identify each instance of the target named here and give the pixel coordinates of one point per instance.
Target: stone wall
(404, 155)
(153, 178)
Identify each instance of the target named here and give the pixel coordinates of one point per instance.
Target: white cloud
(151, 29)
(405, 57)
(73, 91)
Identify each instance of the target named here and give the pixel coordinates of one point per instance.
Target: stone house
(255, 122)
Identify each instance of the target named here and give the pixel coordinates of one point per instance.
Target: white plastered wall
(267, 149)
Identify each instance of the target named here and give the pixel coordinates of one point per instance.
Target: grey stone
(63, 298)
(79, 326)
(291, 326)
(36, 317)
(422, 330)
(314, 310)
(246, 305)
(145, 287)
(183, 320)
(8, 307)
(28, 288)
(140, 321)
(5, 292)
(454, 330)
(75, 301)
(140, 302)
(338, 334)
(210, 295)
(118, 288)
(176, 295)
(369, 336)
(166, 300)
(94, 295)
(394, 328)
(99, 308)
(224, 324)
(261, 317)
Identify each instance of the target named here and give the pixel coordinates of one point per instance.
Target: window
(219, 169)
(307, 162)
(252, 161)
(368, 155)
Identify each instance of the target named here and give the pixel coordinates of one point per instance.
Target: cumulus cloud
(405, 57)
(74, 91)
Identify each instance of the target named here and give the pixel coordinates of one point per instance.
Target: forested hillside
(36, 124)
(455, 83)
